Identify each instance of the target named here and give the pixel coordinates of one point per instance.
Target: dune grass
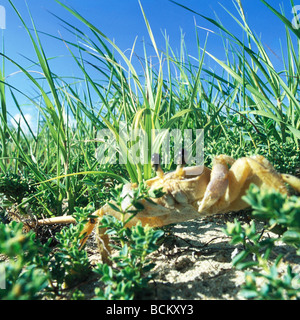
(248, 108)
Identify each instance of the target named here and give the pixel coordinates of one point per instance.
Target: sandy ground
(194, 262)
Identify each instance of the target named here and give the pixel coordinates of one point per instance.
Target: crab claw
(217, 185)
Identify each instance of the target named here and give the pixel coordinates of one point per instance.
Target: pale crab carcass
(194, 192)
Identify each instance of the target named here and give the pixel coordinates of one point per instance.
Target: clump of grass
(255, 83)
(236, 112)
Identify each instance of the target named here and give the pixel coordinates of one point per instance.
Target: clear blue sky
(122, 21)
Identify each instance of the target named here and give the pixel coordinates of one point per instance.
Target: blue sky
(122, 21)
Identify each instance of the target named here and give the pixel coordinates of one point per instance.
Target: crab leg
(292, 181)
(262, 174)
(103, 240)
(263, 169)
(237, 176)
(218, 182)
(87, 230)
(56, 220)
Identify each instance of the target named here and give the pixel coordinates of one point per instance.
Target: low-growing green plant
(128, 273)
(69, 265)
(278, 210)
(275, 286)
(24, 279)
(15, 187)
(281, 215)
(34, 270)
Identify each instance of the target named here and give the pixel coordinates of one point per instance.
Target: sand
(194, 262)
